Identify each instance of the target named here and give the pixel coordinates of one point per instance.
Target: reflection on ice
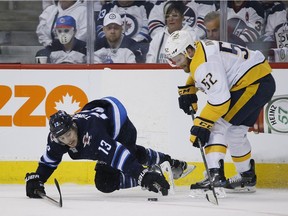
(79, 199)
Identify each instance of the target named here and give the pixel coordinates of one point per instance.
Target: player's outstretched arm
(153, 180)
(34, 185)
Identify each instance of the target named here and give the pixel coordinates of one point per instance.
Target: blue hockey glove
(33, 184)
(153, 180)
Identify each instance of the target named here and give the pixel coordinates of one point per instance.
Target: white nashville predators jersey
(218, 67)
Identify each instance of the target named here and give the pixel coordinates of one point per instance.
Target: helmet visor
(177, 61)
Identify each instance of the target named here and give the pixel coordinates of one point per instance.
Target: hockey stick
(44, 196)
(211, 197)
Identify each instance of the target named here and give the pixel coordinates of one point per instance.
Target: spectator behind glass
(67, 49)
(134, 15)
(212, 24)
(245, 20)
(174, 21)
(47, 3)
(46, 27)
(193, 15)
(115, 47)
(276, 19)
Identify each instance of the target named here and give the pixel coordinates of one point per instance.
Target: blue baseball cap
(65, 22)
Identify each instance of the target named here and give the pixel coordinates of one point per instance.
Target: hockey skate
(199, 189)
(180, 169)
(244, 182)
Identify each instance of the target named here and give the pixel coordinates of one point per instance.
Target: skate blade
(245, 189)
(167, 172)
(188, 170)
(201, 193)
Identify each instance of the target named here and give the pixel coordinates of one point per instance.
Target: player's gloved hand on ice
(200, 130)
(33, 184)
(188, 98)
(153, 180)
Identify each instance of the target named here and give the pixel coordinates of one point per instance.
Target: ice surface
(79, 200)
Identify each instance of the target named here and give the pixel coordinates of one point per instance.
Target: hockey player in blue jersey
(102, 131)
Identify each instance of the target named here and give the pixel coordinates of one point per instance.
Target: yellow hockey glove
(200, 131)
(188, 99)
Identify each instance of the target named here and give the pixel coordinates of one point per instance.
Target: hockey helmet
(177, 43)
(60, 123)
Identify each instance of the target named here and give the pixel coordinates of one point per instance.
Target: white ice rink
(85, 200)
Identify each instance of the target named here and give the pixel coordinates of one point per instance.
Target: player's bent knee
(107, 179)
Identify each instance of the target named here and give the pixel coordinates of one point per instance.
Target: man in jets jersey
(238, 83)
(102, 131)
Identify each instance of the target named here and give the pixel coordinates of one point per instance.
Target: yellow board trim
(13, 172)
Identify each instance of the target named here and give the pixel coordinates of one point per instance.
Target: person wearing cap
(115, 47)
(67, 49)
(47, 20)
(102, 131)
(134, 15)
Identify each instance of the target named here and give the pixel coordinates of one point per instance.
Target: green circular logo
(276, 114)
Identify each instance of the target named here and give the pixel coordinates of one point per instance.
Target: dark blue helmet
(60, 123)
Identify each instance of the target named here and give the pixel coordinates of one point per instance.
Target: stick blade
(211, 197)
(58, 188)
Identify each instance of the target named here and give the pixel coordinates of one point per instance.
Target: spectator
(115, 47)
(174, 21)
(134, 15)
(67, 48)
(212, 25)
(275, 17)
(245, 20)
(47, 3)
(46, 27)
(193, 15)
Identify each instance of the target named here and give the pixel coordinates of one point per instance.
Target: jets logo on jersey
(86, 139)
(190, 17)
(130, 25)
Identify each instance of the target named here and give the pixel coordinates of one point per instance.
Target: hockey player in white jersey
(238, 83)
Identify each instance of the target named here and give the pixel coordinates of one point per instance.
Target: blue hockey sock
(154, 157)
(127, 181)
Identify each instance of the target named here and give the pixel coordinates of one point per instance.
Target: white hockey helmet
(177, 43)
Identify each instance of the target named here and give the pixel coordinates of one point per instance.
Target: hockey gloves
(187, 99)
(153, 180)
(200, 130)
(33, 185)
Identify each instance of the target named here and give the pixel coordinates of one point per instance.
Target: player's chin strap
(210, 194)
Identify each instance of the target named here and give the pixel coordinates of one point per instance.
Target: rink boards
(31, 95)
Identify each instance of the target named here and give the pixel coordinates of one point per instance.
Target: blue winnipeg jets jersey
(98, 126)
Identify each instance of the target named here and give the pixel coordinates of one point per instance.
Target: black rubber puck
(152, 199)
